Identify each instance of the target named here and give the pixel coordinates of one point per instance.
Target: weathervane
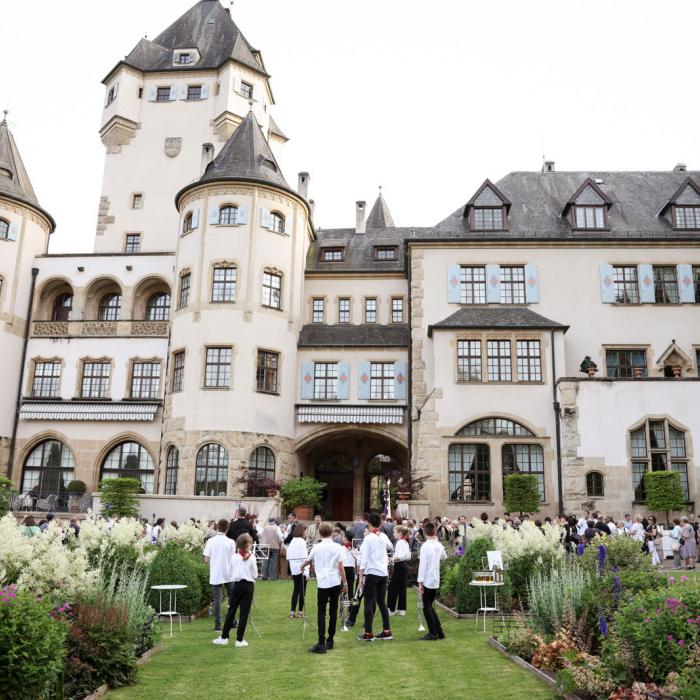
(5, 112)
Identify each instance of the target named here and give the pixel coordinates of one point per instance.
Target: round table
(484, 607)
(172, 590)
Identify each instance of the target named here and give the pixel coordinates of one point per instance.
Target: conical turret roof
(380, 216)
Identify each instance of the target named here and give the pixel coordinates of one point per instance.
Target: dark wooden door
(342, 504)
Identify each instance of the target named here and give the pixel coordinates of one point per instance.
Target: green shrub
(31, 646)
(76, 487)
(621, 554)
(306, 491)
(522, 493)
(5, 494)
(664, 492)
(520, 570)
(173, 565)
(119, 497)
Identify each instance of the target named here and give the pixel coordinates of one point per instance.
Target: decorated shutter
(400, 380)
(195, 218)
(265, 220)
(607, 284)
(173, 92)
(152, 93)
(205, 92)
(242, 215)
(106, 97)
(454, 287)
(236, 83)
(343, 380)
(116, 89)
(182, 226)
(686, 288)
(183, 92)
(288, 225)
(214, 215)
(12, 232)
(363, 380)
(532, 284)
(646, 284)
(307, 380)
(493, 284)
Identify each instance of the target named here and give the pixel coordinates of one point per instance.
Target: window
(109, 307)
(266, 376)
(178, 370)
(696, 282)
(130, 459)
(381, 382)
(468, 360)
(343, 310)
(658, 446)
(487, 218)
(495, 427)
(137, 200)
(397, 310)
(524, 459)
(528, 361)
(370, 310)
(47, 380)
(223, 287)
(512, 285)
(49, 468)
(687, 217)
(325, 380)
(217, 372)
(95, 383)
(626, 284)
(145, 380)
(184, 298)
(386, 252)
(498, 360)
(184, 58)
(111, 95)
(276, 222)
(665, 284)
(246, 90)
(594, 485)
(472, 285)
(187, 224)
(158, 307)
(469, 473)
(163, 94)
(4, 229)
(228, 215)
(626, 363)
(332, 254)
(133, 243)
(589, 217)
(211, 473)
(318, 313)
(272, 290)
(62, 307)
(261, 466)
(194, 93)
(172, 464)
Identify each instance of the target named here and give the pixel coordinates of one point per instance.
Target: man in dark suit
(241, 525)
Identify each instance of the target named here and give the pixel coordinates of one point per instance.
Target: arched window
(48, 469)
(594, 485)
(228, 215)
(62, 307)
(495, 427)
(276, 222)
(657, 445)
(261, 466)
(211, 477)
(110, 306)
(469, 472)
(158, 307)
(172, 464)
(524, 459)
(4, 228)
(129, 459)
(187, 223)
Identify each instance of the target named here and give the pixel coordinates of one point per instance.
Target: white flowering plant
(189, 535)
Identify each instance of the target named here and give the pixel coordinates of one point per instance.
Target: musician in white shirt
(296, 554)
(218, 553)
(431, 554)
(397, 585)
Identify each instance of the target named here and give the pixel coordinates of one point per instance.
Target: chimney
(312, 206)
(360, 212)
(680, 168)
(548, 166)
(303, 187)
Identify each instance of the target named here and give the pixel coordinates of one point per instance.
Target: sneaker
(366, 637)
(291, 616)
(401, 613)
(220, 641)
(392, 613)
(318, 649)
(300, 615)
(385, 634)
(242, 643)
(429, 638)
(329, 644)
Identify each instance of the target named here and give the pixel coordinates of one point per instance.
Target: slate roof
(495, 317)
(348, 335)
(274, 129)
(207, 27)
(380, 216)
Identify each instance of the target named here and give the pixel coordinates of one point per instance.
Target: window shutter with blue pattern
(400, 381)
(532, 285)
(12, 232)
(152, 93)
(493, 284)
(646, 284)
(364, 380)
(454, 287)
(307, 380)
(214, 214)
(607, 284)
(686, 288)
(343, 380)
(242, 215)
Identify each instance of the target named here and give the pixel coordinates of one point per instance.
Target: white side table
(172, 602)
(484, 607)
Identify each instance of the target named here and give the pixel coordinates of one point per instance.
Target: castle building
(548, 326)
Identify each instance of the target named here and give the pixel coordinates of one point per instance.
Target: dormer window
(334, 254)
(687, 218)
(184, 58)
(487, 219)
(589, 217)
(488, 209)
(587, 210)
(682, 210)
(385, 252)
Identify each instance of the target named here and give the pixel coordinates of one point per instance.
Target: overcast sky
(425, 98)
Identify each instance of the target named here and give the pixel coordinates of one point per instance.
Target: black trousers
(397, 587)
(327, 597)
(431, 618)
(298, 592)
(375, 596)
(241, 597)
(350, 576)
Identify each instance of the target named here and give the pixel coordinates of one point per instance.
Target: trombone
(419, 609)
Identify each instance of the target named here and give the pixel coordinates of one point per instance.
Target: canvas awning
(308, 413)
(87, 410)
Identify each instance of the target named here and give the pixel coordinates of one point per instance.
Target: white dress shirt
(244, 569)
(296, 554)
(373, 554)
(402, 551)
(326, 555)
(431, 553)
(220, 550)
(581, 526)
(348, 558)
(637, 532)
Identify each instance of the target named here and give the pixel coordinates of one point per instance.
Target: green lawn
(278, 665)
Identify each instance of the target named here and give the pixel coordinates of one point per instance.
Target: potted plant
(303, 495)
(76, 489)
(408, 486)
(254, 486)
(588, 367)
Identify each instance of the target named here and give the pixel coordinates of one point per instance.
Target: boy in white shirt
(431, 554)
(218, 553)
(327, 558)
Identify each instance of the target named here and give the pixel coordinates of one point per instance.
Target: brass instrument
(344, 610)
(419, 610)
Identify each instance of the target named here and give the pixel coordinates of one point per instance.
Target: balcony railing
(51, 503)
(100, 329)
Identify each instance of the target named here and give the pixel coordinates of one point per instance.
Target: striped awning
(86, 410)
(308, 413)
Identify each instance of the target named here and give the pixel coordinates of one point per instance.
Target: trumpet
(419, 610)
(355, 601)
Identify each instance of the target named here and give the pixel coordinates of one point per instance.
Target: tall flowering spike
(603, 626)
(602, 553)
(617, 587)
(580, 549)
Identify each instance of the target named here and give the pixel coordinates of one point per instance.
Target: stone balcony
(100, 329)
